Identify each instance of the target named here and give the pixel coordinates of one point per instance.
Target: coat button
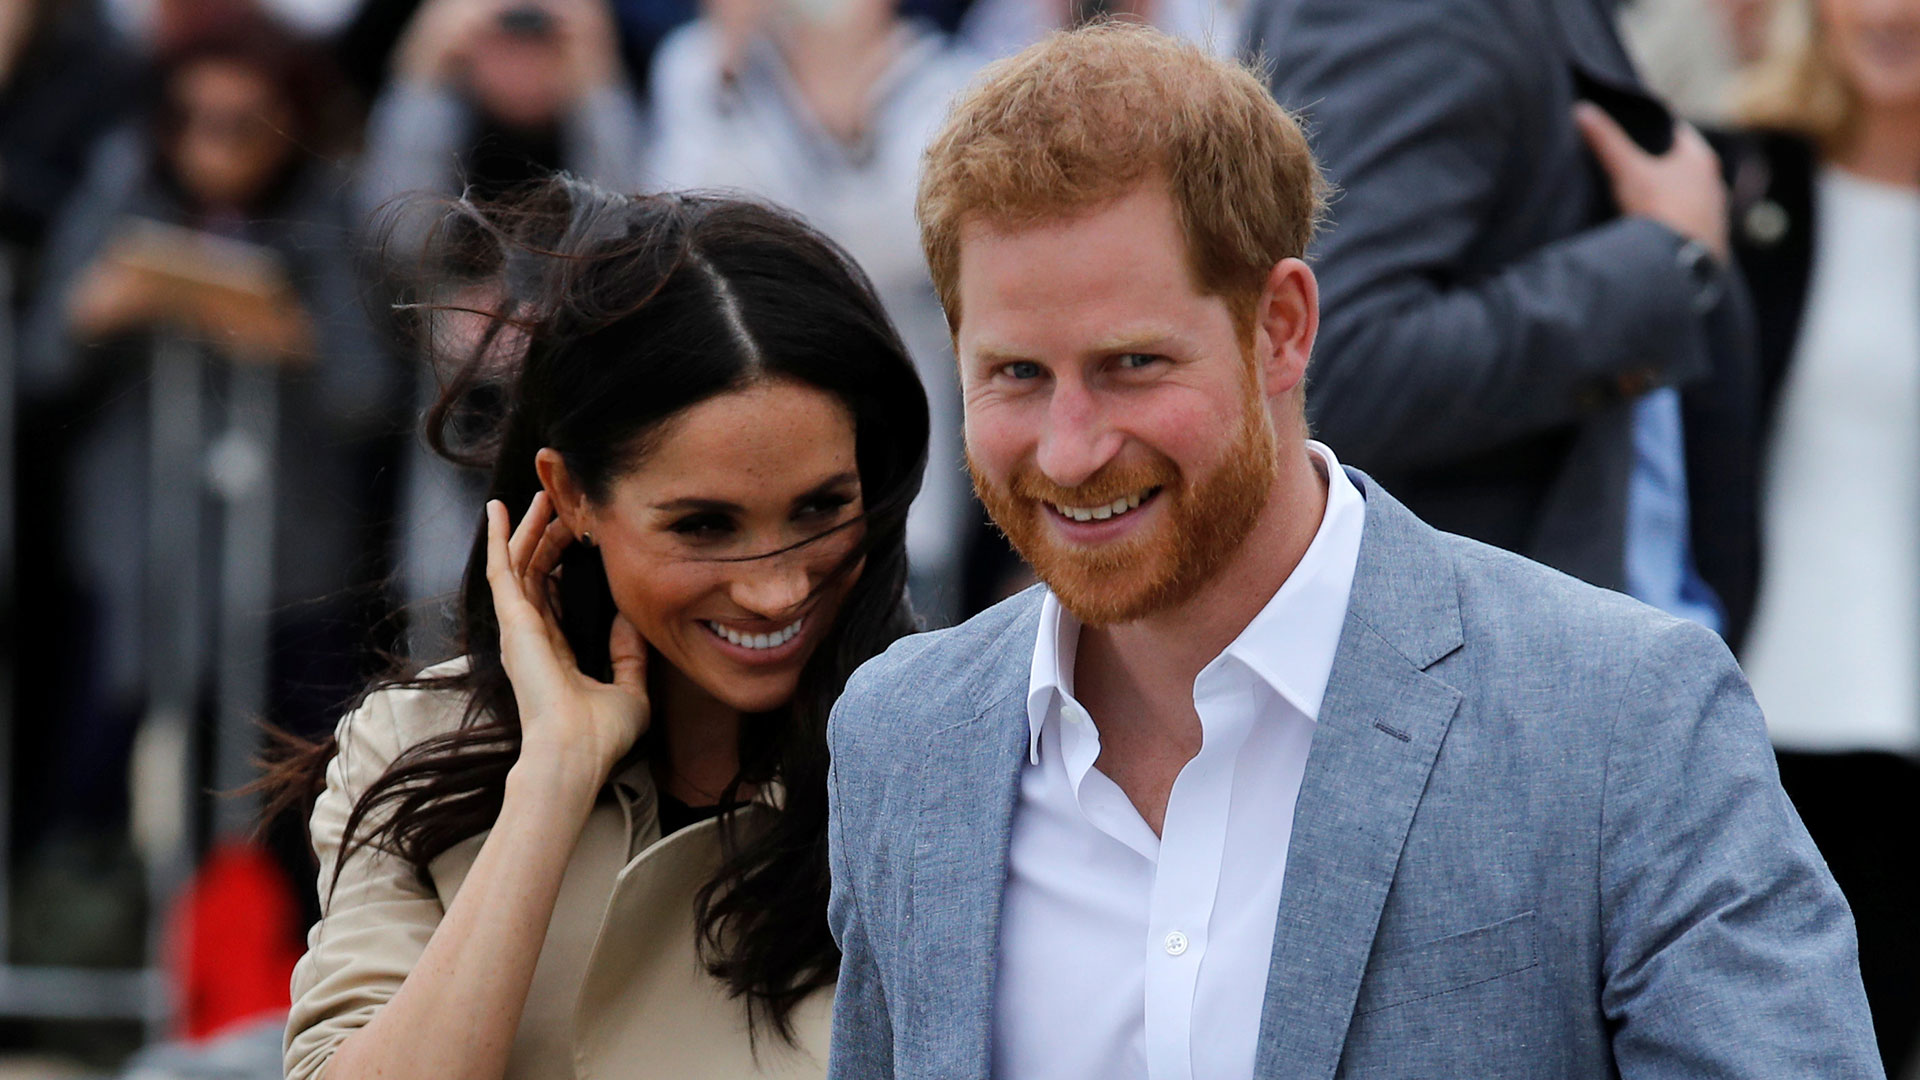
(1766, 223)
(1176, 943)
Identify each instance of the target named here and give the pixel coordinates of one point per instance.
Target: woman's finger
(500, 577)
(629, 653)
(546, 555)
(527, 536)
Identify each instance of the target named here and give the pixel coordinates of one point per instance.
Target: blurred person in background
(1826, 226)
(1541, 354)
(1689, 51)
(489, 95)
(824, 106)
(211, 221)
(62, 85)
(486, 96)
(596, 844)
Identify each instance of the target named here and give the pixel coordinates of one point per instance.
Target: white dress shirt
(1123, 954)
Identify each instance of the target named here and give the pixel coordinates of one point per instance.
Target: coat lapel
(969, 780)
(1380, 730)
(1592, 41)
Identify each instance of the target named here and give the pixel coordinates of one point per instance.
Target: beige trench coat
(617, 992)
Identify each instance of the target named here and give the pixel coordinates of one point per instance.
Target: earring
(586, 538)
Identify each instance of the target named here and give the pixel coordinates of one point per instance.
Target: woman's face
(717, 544)
(1877, 45)
(233, 137)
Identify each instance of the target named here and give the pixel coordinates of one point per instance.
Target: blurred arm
(414, 136)
(1416, 116)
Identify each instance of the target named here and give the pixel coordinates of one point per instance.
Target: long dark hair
(626, 311)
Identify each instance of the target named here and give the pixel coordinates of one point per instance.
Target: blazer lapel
(969, 780)
(1380, 730)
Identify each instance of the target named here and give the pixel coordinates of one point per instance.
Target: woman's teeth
(757, 641)
(1103, 512)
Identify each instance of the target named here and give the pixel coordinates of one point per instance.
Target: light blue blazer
(1540, 835)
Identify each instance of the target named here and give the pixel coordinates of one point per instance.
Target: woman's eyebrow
(710, 506)
(830, 483)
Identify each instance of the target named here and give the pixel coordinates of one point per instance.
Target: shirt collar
(1290, 644)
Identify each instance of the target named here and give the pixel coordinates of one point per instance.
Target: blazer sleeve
(376, 916)
(1423, 117)
(862, 1046)
(1728, 949)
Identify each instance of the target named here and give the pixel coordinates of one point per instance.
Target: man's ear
(569, 500)
(1285, 324)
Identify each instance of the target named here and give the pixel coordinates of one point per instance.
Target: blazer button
(1176, 943)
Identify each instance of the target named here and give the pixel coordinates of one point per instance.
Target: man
(1529, 350)
(1272, 779)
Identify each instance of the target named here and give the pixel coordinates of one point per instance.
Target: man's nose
(773, 587)
(1076, 440)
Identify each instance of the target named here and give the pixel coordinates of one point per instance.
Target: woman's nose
(774, 587)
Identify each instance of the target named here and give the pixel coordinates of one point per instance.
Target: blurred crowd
(209, 210)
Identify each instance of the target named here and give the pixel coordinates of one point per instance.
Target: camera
(527, 20)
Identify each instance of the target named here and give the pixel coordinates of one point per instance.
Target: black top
(1770, 181)
(676, 815)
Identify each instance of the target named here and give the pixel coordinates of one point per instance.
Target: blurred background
(216, 507)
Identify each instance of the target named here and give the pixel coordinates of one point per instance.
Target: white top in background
(1834, 653)
(1126, 955)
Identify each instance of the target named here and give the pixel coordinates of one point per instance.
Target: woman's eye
(702, 526)
(825, 506)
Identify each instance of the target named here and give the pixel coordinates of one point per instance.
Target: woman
(1826, 201)
(596, 845)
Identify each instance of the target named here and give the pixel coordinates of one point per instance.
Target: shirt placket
(1186, 875)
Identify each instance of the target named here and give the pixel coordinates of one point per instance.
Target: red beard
(1203, 524)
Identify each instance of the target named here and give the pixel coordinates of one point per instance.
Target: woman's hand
(569, 722)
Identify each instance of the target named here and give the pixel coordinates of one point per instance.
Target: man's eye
(1138, 360)
(702, 526)
(1022, 369)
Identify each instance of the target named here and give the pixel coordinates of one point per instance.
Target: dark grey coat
(1488, 314)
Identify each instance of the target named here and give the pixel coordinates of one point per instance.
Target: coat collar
(1592, 40)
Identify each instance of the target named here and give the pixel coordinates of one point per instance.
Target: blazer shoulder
(1536, 619)
(925, 681)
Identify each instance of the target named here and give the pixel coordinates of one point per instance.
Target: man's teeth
(757, 641)
(1100, 513)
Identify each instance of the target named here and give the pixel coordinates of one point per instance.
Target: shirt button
(1074, 714)
(1176, 943)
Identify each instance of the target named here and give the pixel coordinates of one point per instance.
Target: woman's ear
(569, 501)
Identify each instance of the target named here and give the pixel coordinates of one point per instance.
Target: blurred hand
(1680, 189)
(252, 328)
(589, 43)
(112, 298)
(568, 720)
(436, 41)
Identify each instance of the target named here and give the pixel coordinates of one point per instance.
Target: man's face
(1117, 427)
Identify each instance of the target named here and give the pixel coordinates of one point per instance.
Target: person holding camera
(596, 844)
(489, 95)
